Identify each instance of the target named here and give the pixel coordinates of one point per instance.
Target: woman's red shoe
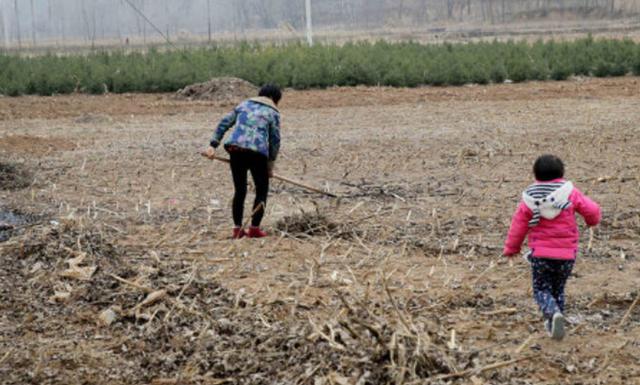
(255, 232)
(238, 232)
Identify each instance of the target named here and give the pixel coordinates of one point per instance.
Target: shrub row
(406, 64)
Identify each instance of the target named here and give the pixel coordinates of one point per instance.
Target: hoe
(285, 179)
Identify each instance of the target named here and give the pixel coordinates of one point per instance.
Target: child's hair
(272, 92)
(548, 167)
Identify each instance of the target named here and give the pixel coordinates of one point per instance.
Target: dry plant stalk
(628, 313)
(493, 366)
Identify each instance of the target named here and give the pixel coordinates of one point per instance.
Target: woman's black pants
(257, 164)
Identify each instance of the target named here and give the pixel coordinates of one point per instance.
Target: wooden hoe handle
(284, 179)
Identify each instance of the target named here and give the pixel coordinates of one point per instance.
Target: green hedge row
(391, 64)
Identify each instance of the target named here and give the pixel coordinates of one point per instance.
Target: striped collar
(547, 199)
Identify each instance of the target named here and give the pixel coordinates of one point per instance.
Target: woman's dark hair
(548, 167)
(272, 92)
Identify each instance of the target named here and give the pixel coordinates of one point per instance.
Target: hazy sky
(88, 20)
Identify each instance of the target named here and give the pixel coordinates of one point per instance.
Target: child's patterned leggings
(549, 277)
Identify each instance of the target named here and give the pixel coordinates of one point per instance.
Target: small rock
(36, 267)
(225, 326)
(60, 296)
(107, 317)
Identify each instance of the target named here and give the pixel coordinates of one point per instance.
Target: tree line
(300, 66)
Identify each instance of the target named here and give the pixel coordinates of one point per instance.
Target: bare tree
(144, 24)
(168, 18)
(33, 23)
(209, 19)
(348, 9)
(63, 23)
(17, 12)
(52, 23)
(117, 20)
(89, 28)
(5, 25)
(400, 9)
(241, 14)
(420, 16)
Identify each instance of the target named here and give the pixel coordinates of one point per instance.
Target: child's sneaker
(238, 232)
(255, 232)
(557, 326)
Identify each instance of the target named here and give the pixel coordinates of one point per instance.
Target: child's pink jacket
(556, 238)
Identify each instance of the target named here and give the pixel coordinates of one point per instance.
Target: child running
(546, 213)
(253, 147)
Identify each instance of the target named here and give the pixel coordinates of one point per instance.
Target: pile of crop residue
(79, 309)
(312, 224)
(222, 90)
(69, 281)
(14, 176)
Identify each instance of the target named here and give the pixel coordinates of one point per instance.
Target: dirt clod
(14, 176)
(308, 223)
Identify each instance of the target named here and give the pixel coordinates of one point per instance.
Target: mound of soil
(222, 90)
(306, 223)
(14, 176)
(315, 224)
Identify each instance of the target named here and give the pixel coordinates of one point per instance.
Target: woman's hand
(270, 166)
(209, 153)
